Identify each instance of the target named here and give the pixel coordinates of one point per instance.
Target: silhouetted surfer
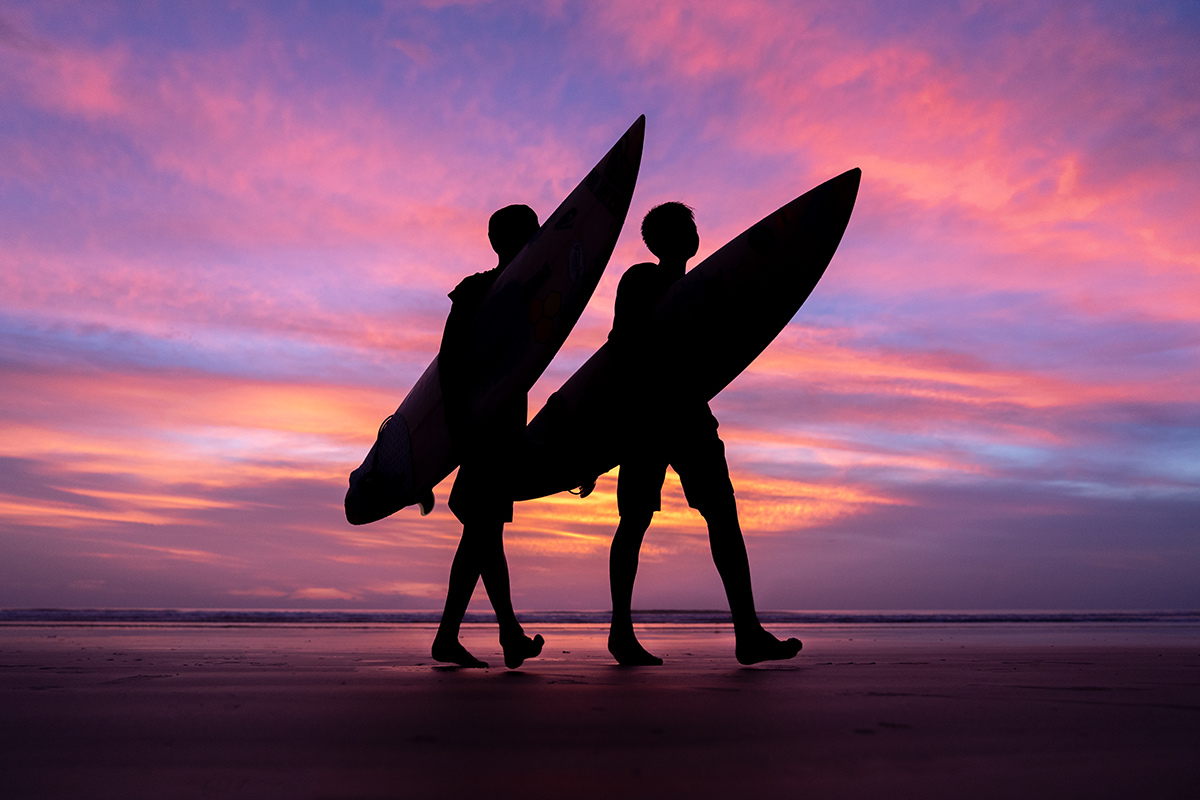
(661, 428)
(481, 497)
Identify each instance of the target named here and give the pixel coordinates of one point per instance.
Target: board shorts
(691, 447)
(483, 489)
(480, 492)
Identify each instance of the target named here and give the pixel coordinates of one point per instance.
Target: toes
(517, 650)
(768, 649)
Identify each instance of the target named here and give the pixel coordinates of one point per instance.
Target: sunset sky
(227, 234)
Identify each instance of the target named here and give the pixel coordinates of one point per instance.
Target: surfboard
(709, 326)
(524, 319)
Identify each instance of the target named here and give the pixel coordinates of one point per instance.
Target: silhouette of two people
(482, 495)
(661, 427)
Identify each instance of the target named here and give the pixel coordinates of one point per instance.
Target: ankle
(511, 632)
(621, 620)
(747, 626)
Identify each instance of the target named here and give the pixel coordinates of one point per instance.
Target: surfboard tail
(383, 483)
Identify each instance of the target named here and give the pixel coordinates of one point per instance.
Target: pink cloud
(66, 80)
(995, 144)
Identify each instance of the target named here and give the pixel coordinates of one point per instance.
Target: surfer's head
(669, 230)
(509, 229)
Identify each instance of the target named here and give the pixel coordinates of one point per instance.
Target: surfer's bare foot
(628, 651)
(426, 503)
(519, 648)
(762, 646)
(451, 651)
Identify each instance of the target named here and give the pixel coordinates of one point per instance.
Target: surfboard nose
(638, 129)
(836, 197)
(624, 161)
(635, 138)
(847, 183)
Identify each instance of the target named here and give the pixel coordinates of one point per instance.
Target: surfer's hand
(586, 488)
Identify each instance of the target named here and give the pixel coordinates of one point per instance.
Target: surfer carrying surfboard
(661, 427)
(482, 498)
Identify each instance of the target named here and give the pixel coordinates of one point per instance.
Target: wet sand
(361, 712)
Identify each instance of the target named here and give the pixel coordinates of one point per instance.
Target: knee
(634, 524)
(720, 511)
(630, 532)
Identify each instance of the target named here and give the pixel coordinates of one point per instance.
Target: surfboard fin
(586, 488)
(425, 503)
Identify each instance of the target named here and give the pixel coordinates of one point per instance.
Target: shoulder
(638, 274)
(644, 270)
(474, 285)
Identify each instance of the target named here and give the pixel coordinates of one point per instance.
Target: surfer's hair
(510, 228)
(669, 229)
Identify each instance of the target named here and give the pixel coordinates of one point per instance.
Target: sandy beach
(361, 712)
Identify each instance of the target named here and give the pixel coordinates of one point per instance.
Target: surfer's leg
(622, 571)
(699, 458)
(729, 555)
(639, 495)
(464, 574)
(753, 642)
(494, 569)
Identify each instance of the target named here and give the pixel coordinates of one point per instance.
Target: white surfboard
(708, 327)
(524, 319)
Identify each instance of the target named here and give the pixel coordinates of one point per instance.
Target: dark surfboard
(524, 319)
(708, 327)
